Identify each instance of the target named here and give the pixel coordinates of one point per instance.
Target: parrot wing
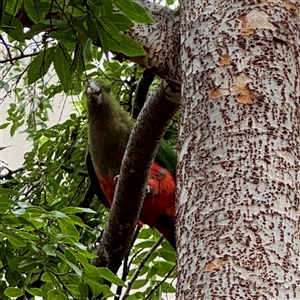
(94, 181)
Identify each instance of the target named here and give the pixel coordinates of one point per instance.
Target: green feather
(166, 156)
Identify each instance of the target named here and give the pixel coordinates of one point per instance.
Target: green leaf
(56, 295)
(50, 249)
(120, 21)
(40, 64)
(13, 27)
(13, 292)
(92, 25)
(35, 292)
(79, 60)
(2, 126)
(24, 264)
(139, 283)
(110, 29)
(68, 228)
(16, 242)
(133, 11)
(110, 276)
(127, 46)
(46, 278)
(63, 66)
(36, 210)
(34, 11)
(13, 6)
(75, 210)
(167, 255)
(95, 287)
(38, 28)
(74, 268)
(8, 192)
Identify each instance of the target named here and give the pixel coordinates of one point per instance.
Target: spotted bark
(238, 174)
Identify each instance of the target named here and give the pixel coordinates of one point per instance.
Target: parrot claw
(116, 178)
(148, 189)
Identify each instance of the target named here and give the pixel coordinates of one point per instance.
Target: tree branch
(11, 59)
(141, 92)
(131, 186)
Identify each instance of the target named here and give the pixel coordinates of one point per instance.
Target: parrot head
(97, 95)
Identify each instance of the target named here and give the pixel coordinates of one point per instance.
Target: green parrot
(109, 127)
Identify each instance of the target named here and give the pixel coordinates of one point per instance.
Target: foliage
(49, 223)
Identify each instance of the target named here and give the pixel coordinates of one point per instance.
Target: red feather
(158, 210)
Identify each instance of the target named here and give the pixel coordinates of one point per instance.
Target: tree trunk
(238, 174)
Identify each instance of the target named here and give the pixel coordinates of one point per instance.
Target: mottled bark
(238, 174)
(161, 41)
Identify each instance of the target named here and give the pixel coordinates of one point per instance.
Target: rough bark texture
(161, 41)
(238, 174)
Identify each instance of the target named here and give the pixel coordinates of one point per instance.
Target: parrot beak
(93, 92)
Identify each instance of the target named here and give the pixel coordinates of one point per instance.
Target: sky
(17, 146)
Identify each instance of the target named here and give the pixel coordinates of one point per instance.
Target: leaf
(50, 249)
(63, 66)
(40, 64)
(95, 287)
(38, 28)
(68, 228)
(16, 242)
(13, 6)
(140, 283)
(110, 29)
(75, 210)
(11, 192)
(36, 210)
(127, 46)
(167, 255)
(46, 278)
(2, 126)
(13, 292)
(34, 11)
(35, 292)
(110, 276)
(74, 268)
(92, 25)
(120, 21)
(79, 60)
(133, 11)
(13, 27)
(56, 295)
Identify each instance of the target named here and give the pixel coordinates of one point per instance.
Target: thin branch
(6, 47)
(18, 57)
(9, 173)
(131, 186)
(142, 91)
(140, 266)
(161, 282)
(70, 170)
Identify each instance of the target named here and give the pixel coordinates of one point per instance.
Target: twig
(7, 49)
(142, 91)
(157, 286)
(71, 170)
(140, 266)
(9, 173)
(18, 57)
